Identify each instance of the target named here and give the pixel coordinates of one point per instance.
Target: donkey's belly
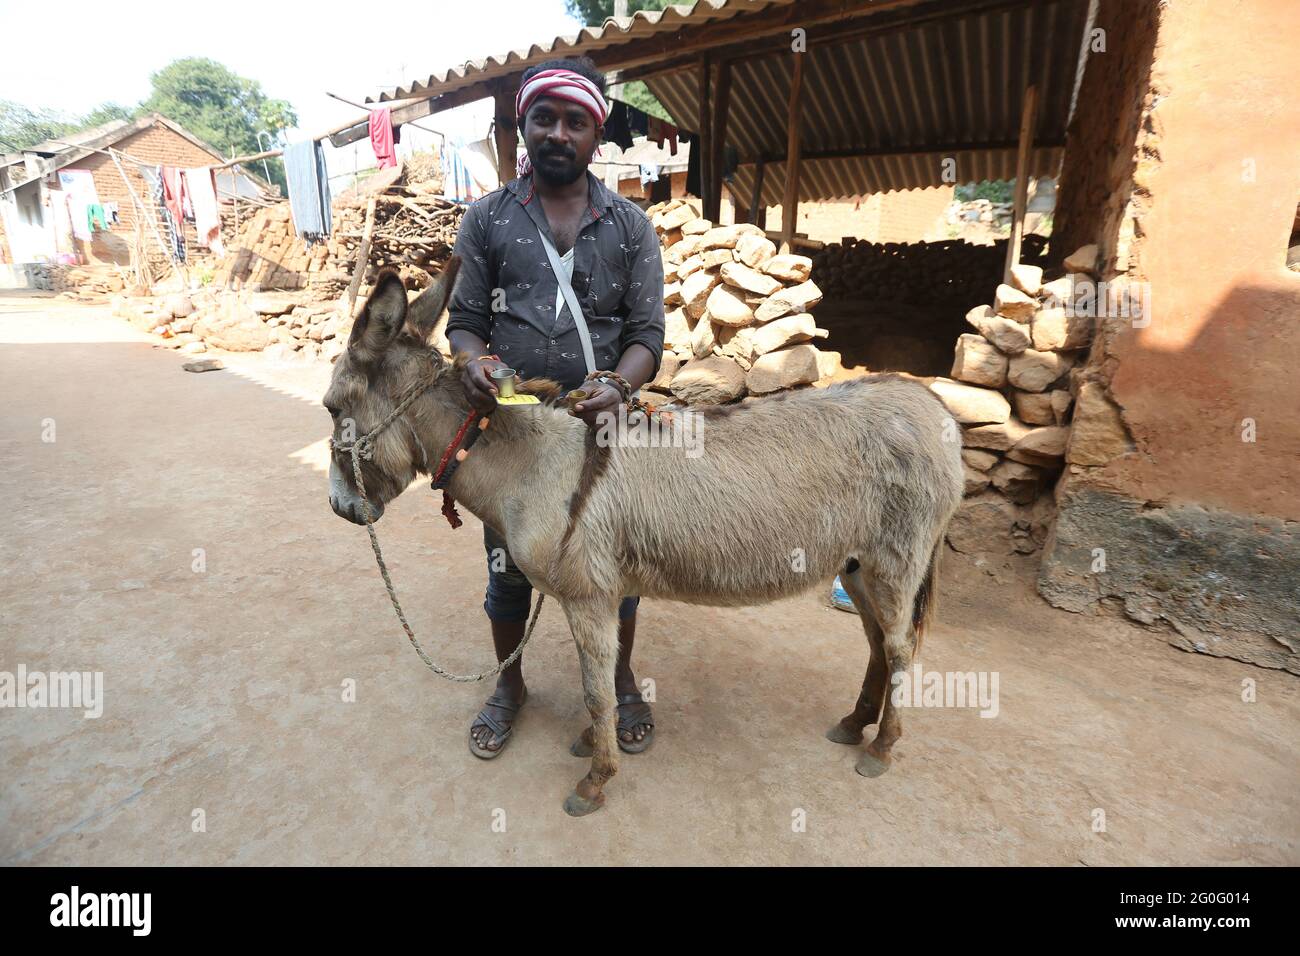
(737, 583)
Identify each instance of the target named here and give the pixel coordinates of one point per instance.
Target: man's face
(561, 137)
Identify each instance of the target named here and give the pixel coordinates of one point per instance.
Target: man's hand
(600, 398)
(479, 390)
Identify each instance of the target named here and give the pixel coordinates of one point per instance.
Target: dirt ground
(225, 687)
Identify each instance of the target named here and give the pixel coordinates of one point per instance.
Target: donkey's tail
(927, 598)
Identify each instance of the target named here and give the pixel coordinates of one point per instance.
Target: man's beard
(558, 167)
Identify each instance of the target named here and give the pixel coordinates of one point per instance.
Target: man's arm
(643, 329)
(469, 323)
(637, 366)
(480, 391)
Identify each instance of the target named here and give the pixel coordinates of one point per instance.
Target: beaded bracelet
(618, 381)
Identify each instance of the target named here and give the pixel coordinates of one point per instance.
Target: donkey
(860, 478)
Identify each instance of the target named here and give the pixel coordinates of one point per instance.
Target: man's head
(562, 110)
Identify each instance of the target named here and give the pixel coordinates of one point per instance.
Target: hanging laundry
(638, 121)
(467, 172)
(649, 173)
(111, 214)
(694, 185)
(660, 130)
(79, 184)
(383, 136)
(309, 189)
(616, 125)
(480, 159)
(175, 235)
(455, 178)
(201, 187)
(174, 197)
(95, 217)
(65, 246)
(609, 156)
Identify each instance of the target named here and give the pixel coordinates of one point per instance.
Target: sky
(105, 51)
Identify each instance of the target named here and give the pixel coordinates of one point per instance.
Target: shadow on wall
(1197, 529)
(108, 247)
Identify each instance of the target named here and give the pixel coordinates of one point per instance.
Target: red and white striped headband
(563, 85)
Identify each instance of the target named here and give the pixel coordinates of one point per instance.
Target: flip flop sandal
(499, 730)
(634, 718)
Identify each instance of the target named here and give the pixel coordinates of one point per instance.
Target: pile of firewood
(407, 225)
(950, 272)
(412, 231)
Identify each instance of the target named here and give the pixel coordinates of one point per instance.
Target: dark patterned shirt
(506, 292)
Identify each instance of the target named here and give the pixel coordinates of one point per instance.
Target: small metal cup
(504, 380)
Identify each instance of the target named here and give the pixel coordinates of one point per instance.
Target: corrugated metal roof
(904, 100)
(614, 31)
(883, 107)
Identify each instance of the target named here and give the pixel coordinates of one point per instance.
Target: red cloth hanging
(174, 194)
(382, 138)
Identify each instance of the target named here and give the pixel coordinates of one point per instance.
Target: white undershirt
(566, 261)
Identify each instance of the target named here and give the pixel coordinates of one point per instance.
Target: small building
(112, 157)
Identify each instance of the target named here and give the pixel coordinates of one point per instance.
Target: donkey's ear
(428, 306)
(381, 318)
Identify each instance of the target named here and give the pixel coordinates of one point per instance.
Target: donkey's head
(388, 356)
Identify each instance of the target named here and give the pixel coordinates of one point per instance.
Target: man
(508, 303)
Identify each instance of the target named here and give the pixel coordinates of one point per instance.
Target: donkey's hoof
(576, 805)
(869, 765)
(581, 747)
(839, 734)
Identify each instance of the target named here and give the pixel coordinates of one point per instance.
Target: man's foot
(495, 723)
(636, 726)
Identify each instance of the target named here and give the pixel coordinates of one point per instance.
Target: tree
(107, 113)
(221, 108)
(593, 13)
(21, 127)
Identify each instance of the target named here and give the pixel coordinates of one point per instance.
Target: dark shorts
(509, 595)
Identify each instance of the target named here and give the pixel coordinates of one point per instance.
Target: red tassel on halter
(449, 510)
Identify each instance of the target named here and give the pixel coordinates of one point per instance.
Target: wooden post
(234, 180)
(506, 134)
(717, 142)
(1027, 119)
(757, 211)
(363, 256)
(790, 198)
(705, 144)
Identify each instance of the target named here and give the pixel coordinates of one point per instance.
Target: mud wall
(1201, 389)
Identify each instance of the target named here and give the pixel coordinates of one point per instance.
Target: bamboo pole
(363, 256)
(790, 198)
(1027, 118)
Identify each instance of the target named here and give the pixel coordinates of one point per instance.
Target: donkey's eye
(332, 409)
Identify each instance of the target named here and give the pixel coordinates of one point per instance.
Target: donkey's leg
(893, 599)
(876, 682)
(595, 631)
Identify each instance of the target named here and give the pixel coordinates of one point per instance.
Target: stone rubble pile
(273, 293)
(91, 283)
(282, 325)
(1014, 385)
(737, 314)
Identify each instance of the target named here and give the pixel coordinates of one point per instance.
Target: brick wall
(907, 216)
(156, 145)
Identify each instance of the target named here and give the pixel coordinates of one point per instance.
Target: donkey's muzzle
(346, 502)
